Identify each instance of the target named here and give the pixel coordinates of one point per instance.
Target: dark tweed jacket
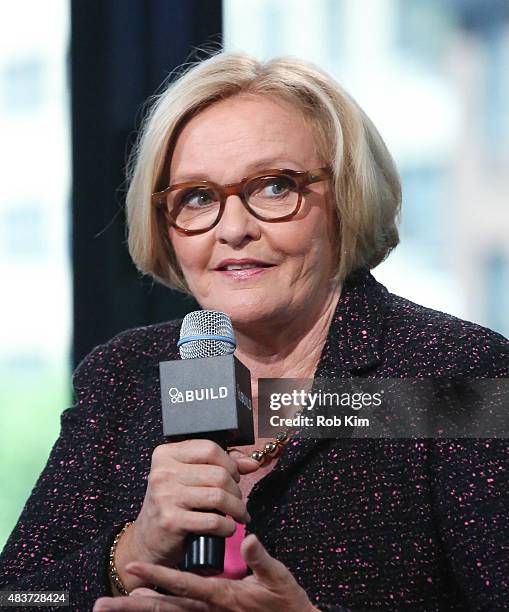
(362, 524)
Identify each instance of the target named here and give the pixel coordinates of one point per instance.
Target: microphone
(206, 395)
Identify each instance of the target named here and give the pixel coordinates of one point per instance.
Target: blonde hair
(365, 184)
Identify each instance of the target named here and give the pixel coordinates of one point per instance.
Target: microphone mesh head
(206, 323)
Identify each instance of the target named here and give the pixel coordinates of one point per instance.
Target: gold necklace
(271, 449)
(274, 448)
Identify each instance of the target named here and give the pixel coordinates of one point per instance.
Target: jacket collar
(353, 347)
(354, 341)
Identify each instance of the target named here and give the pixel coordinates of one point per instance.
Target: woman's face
(292, 261)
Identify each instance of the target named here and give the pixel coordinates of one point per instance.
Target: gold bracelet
(115, 578)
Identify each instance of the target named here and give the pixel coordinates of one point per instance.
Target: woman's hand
(185, 477)
(271, 587)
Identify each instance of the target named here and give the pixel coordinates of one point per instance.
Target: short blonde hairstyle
(365, 184)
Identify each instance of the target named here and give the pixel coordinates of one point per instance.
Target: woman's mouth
(243, 269)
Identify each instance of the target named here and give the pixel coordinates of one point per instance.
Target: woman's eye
(196, 198)
(276, 187)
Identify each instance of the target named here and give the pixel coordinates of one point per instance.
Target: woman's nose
(237, 225)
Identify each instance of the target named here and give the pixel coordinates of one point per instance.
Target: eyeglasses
(273, 196)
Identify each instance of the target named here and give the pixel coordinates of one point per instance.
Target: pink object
(235, 567)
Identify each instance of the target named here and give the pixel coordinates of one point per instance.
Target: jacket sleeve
(469, 480)
(62, 538)
(469, 484)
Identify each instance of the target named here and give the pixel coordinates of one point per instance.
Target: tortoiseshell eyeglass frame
(302, 179)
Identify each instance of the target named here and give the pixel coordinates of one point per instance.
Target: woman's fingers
(192, 488)
(146, 592)
(245, 464)
(271, 587)
(206, 476)
(179, 603)
(195, 451)
(149, 603)
(264, 566)
(181, 584)
(214, 498)
(206, 523)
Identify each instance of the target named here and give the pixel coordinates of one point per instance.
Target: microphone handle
(204, 555)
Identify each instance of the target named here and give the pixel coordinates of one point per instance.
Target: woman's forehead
(243, 134)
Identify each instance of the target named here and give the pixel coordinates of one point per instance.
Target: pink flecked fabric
(234, 565)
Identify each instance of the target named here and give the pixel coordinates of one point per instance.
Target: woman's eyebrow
(260, 164)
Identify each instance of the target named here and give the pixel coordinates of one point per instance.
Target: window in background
(22, 85)
(24, 233)
(497, 296)
(434, 77)
(425, 193)
(494, 47)
(35, 306)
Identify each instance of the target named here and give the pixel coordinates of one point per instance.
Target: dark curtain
(121, 51)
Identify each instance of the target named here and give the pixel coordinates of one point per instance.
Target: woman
(300, 201)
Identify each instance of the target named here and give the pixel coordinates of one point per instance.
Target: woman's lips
(245, 273)
(242, 269)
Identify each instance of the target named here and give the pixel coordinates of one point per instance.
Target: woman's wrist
(120, 555)
(115, 579)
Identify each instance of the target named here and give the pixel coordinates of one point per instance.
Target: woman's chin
(248, 314)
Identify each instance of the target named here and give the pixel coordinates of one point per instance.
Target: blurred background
(433, 76)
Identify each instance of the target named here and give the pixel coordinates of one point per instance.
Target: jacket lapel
(353, 348)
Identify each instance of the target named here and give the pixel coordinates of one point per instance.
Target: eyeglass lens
(197, 207)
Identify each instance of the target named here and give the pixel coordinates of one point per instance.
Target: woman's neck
(288, 351)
